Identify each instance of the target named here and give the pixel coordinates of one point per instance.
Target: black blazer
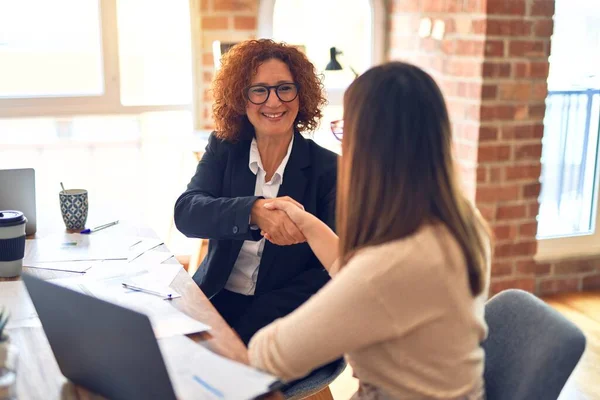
(217, 205)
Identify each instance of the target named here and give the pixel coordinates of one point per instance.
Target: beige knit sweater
(401, 312)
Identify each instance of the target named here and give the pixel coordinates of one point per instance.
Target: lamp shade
(333, 64)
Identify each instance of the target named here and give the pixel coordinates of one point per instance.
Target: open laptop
(105, 348)
(17, 192)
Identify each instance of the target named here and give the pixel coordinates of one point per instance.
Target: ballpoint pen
(86, 231)
(141, 289)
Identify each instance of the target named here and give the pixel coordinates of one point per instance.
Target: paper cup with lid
(12, 242)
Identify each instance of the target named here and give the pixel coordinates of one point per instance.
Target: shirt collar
(255, 163)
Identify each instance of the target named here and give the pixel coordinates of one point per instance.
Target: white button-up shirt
(245, 270)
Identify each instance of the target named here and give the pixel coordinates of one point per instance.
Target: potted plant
(8, 359)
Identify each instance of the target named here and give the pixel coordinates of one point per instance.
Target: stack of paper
(106, 282)
(75, 247)
(79, 253)
(197, 373)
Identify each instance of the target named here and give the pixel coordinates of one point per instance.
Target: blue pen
(86, 231)
(208, 387)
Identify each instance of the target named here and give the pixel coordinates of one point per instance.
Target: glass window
(155, 52)
(50, 48)
(570, 144)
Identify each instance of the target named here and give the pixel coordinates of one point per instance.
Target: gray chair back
(316, 381)
(531, 349)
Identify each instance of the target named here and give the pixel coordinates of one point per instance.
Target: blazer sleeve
(202, 212)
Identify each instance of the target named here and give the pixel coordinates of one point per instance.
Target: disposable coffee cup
(12, 243)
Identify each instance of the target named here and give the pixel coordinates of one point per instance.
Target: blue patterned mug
(74, 207)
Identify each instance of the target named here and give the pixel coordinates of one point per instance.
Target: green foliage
(4, 316)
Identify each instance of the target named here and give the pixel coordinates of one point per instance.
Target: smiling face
(274, 117)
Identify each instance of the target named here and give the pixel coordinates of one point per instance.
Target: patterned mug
(74, 207)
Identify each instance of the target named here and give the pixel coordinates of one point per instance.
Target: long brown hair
(397, 171)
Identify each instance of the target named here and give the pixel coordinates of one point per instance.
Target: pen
(86, 231)
(140, 289)
(210, 388)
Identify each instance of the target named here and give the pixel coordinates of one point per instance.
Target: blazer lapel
(294, 186)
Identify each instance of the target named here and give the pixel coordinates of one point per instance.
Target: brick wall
(514, 74)
(492, 65)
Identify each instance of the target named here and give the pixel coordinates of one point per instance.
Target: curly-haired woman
(266, 94)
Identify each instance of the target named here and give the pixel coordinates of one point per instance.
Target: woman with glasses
(410, 267)
(265, 95)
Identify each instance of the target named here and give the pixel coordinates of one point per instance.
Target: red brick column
(492, 65)
(514, 75)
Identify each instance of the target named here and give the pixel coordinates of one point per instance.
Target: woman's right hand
(294, 210)
(276, 225)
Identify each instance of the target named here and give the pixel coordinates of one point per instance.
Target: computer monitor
(17, 192)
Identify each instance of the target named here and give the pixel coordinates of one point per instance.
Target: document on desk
(142, 246)
(68, 266)
(14, 296)
(156, 274)
(152, 257)
(76, 247)
(166, 320)
(198, 373)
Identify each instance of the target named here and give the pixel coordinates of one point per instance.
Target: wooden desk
(38, 375)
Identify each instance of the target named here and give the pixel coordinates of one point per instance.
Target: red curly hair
(232, 80)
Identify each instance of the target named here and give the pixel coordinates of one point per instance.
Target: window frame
(107, 103)
(575, 246)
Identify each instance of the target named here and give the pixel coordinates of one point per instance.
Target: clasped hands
(278, 220)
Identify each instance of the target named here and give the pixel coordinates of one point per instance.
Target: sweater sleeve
(351, 312)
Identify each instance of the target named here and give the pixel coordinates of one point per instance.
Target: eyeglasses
(259, 94)
(337, 128)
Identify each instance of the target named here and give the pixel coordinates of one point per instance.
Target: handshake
(280, 220)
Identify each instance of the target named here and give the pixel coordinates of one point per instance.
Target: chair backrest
(531, 349)
(316, 381)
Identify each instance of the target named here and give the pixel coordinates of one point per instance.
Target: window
(48, 53)
(94, 57)
(567, 221)
(356, 28)
(97, 94)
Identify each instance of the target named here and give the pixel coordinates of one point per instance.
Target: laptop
(17, 192)
(105, 348)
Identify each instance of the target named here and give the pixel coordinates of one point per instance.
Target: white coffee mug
(12, 243)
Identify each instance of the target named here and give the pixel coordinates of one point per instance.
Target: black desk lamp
(334, 65)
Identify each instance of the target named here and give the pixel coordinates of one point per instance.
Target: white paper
(75, 247)
(198, 373)
(152, 257)
(141, 246)
(165, 318)
(112, 268)
(69, 266)
(15, 297)
(154, 274)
